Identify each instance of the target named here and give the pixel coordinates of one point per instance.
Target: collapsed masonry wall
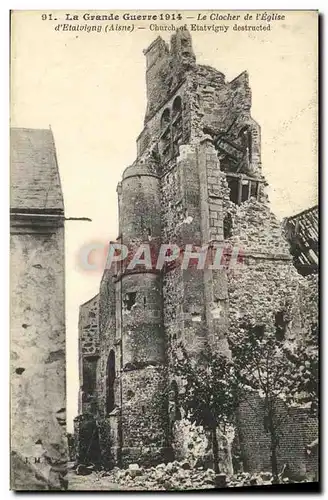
(166, 68)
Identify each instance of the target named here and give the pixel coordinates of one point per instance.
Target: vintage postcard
(164, 250)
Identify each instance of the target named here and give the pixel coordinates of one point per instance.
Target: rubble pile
(175, 476)
(170, 476)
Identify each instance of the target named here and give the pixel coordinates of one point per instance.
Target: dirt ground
(92, 482)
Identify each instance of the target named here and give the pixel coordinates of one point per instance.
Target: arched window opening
(165, 142)
(177, 105)
(177, 124)
(165, 120)
(110, 382)
(258, 331)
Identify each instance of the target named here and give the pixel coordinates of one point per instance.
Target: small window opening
(281, 325)
(246, 138)
(130, 300)
(174, 409)
(244, 190)
(130, 394)
(145, 301)
(258, 331)
(254, 189)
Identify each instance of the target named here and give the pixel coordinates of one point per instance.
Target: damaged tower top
(189, 102)
(166, 68)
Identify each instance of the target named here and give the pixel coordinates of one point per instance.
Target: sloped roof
(34, 176)
(302, 232)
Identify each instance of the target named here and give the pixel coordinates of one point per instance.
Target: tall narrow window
(227, 226)
(110, 381)
(176, 124)
(233, 184)
(165, 142)
(254, 189)
(165, 120)
(246, 138)
(174, 411)
(177, 106)
(245, 186)
(281, 325)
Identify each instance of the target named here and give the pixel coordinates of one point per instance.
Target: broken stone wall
(266, 285)
(152, 132)
(222, 109)
(166, 68)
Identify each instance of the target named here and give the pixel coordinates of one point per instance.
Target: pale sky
(90, 88)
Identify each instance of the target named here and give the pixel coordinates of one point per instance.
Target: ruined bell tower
(197, 180)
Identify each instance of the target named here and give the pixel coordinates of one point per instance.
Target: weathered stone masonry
(37, 302)
(197, 180)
